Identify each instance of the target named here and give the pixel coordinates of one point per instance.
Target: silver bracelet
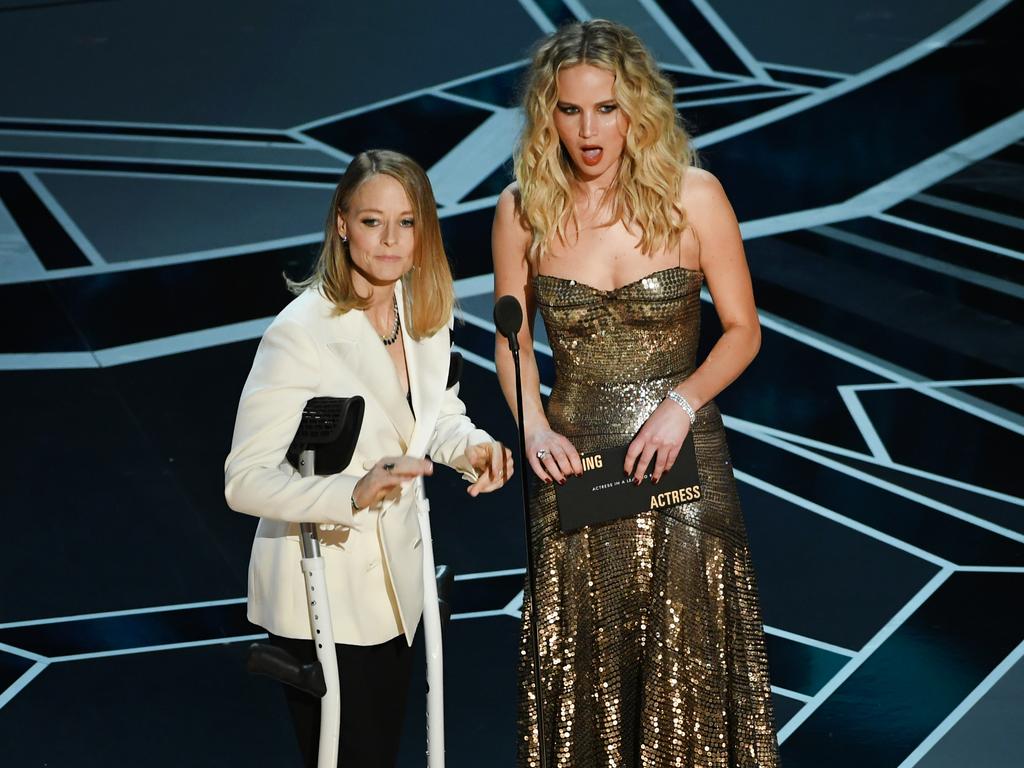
(679, 400)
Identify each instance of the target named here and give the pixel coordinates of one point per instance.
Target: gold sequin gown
(652, 648)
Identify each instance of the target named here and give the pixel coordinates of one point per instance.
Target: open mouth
(591, 154)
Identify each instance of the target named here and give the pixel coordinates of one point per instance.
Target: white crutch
(330, 426)
(322, 631)
(432, 620)
(431, 638)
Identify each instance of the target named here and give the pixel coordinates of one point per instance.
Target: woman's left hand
(660, 438)
(493, 464)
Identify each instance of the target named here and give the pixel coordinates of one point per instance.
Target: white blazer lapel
(362, 352)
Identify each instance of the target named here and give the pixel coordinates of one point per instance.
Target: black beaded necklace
(389, 340)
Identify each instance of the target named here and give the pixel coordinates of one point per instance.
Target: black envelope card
(603, 494)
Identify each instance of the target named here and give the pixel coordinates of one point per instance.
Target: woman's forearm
(730, 356)
(533, 408)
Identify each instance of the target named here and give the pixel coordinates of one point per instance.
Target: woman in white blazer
(373, 320)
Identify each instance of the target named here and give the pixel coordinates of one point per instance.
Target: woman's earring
(344, 238)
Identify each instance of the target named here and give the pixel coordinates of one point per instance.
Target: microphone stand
(531, 572)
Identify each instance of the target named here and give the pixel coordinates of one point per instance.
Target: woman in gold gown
(651, 646)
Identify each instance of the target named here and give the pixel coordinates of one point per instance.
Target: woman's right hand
(560, 458)
(385, 476)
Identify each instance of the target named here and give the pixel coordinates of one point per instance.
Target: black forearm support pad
(277, 663)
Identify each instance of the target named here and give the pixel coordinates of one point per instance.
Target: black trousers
(374, 686)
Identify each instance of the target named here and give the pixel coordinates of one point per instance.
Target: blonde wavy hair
(645, 194)
(428, 291)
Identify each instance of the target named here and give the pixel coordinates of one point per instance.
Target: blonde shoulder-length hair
(645, 194)
(427, 289)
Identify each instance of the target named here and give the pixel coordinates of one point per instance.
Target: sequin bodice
(617, 352)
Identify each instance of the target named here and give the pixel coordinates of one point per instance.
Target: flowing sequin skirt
(651, 642)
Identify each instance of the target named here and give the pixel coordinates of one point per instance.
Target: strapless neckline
(622, 287)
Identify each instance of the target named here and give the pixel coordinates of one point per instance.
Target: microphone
(508, 317)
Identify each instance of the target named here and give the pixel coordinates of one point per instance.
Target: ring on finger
(542, 454)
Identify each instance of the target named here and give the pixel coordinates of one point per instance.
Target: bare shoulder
(512, 192)
(700, 189)
(510, 201)
(705, 201)
(508, 215)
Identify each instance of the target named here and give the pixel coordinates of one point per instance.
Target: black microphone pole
(508, 317)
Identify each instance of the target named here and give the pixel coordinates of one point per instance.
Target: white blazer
(373, 557)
